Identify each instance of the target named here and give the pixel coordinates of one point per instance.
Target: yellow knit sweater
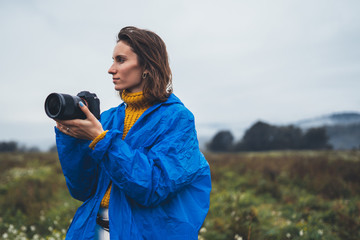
(136, 106)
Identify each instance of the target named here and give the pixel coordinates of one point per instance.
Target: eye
(119, 59)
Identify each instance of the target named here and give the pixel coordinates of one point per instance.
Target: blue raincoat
(161, 181)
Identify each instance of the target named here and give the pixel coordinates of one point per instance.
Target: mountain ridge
(337, 118)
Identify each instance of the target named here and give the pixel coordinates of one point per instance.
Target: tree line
(259, 137)
(263, 137)
(13, 146)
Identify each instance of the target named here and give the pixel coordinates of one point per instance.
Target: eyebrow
(117, 56)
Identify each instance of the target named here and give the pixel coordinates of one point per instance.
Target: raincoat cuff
(97, 139)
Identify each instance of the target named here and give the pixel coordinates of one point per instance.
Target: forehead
(122, 48)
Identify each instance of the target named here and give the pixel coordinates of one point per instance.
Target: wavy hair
(152, 56)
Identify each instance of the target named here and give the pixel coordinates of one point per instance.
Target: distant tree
(286, 137)
(221, 142)
(262, 137)
(315, 138)
(33, 149)
(10, 146)
(257, 137)
(25, 149)
(53, 148)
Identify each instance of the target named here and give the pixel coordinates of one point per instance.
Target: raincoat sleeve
(152, 174)
(79, 169)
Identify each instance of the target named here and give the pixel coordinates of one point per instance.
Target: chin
(119, 89)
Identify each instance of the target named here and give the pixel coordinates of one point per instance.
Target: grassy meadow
(266, 195)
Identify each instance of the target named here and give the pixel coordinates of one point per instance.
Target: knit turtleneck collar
(135, 100)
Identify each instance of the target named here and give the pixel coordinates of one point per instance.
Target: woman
(139, 170)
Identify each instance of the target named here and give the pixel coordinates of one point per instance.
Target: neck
(135, 100)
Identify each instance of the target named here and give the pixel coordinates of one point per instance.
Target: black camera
(65, 106)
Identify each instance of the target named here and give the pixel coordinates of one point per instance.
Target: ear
(145, 74)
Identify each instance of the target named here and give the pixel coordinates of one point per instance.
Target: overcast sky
(233, 62)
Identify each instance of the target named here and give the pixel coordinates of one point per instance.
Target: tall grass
(284, 195)
(269, 195)
(34, 201)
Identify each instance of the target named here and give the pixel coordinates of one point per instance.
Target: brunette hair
(152, 56)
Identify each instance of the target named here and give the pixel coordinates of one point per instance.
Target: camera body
(64, 106)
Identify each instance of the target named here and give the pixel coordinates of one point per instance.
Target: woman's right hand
(88, 128)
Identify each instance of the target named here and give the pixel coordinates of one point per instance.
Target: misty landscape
(273, 87)
(297, 181)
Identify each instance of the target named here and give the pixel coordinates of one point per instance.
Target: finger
(58, 124)
(62, 128)
(86, 110)
(67, 122)
(66, 130)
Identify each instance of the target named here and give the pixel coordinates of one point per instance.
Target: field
(269, 195)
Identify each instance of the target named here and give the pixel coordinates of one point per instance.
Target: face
(125, 70)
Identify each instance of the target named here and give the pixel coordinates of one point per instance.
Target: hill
(334, 119)
(343, 129)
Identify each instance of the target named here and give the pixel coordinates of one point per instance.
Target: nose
(112, 70)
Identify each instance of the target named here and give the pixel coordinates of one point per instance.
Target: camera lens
(63, 106)
(54, 105)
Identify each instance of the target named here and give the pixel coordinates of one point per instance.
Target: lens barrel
(63, 106)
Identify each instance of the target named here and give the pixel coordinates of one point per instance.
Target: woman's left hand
(88, 128)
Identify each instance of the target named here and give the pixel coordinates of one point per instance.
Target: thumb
(85, 110)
